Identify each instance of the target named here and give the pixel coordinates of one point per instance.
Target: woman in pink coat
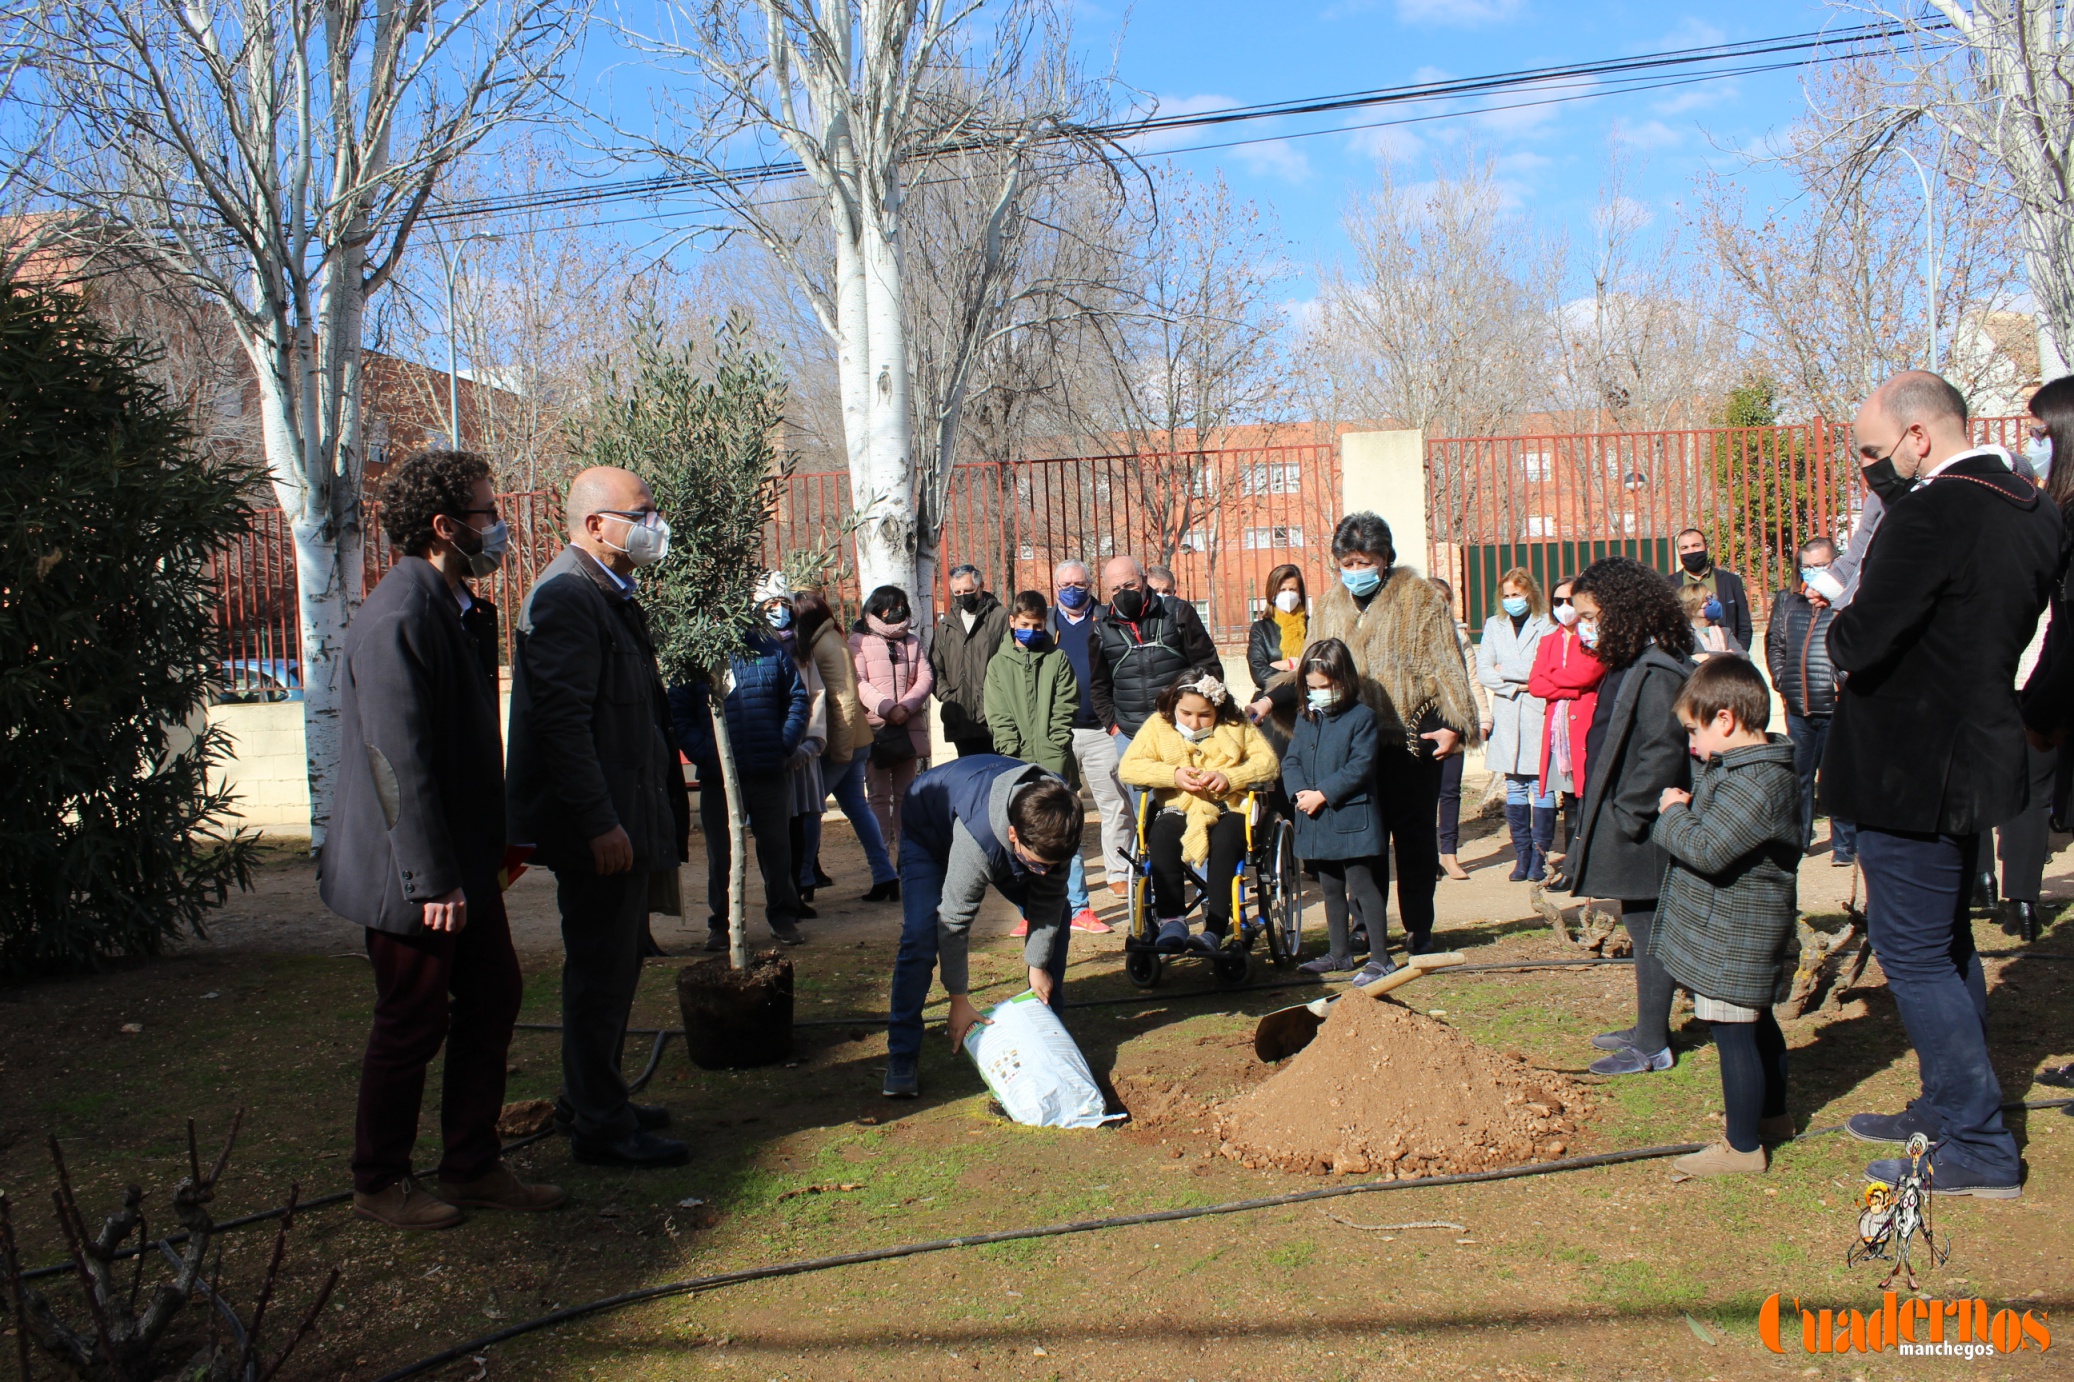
(1567, 676)
(893, 682)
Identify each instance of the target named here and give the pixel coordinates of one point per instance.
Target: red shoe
(1022, 928)
(1086, 920)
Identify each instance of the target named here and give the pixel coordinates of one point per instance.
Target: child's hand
(1310, 802)
(1673, 796)
(1216, 784)
(1188, 779)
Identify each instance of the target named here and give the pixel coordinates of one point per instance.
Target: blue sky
(1552, 159)
(1196, 54)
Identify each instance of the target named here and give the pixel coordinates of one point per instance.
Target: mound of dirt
(1383, 1089)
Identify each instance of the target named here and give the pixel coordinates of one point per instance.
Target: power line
(1624, 71)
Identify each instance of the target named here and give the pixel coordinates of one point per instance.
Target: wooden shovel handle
(1413, 968)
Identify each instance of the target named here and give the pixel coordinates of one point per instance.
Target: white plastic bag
(1031, 1064)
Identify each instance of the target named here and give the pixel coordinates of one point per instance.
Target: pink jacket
(890, 674)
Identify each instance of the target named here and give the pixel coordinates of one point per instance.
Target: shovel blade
(1286, 1031)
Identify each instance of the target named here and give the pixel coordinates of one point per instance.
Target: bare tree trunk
(737, 836)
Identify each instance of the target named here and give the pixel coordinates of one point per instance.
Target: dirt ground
(1617, 1272)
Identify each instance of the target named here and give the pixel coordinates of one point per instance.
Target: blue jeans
(1916, 890)
(1809, 737)
(914, 967)
(1519, 791)
(846, 785)
(1076, 885)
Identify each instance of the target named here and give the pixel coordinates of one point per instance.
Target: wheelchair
(1266, 898)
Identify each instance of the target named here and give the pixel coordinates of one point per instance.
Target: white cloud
(1389, 144)
(1698, 98)
(1460, 14)
(1522, 161)
(1649, 134)
(1531, 107)
(1421, 76)
(1275, 158)
(1690, 32)
(1163, 140)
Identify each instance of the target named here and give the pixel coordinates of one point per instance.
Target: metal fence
(1554, 503)
(1221, 518)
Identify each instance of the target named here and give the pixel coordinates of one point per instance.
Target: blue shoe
(1206, 943)
(1629, 1061)
(1950, 1178)
(1371, 972)
(1173, 937)
(1895, 1128)
(1615, 1041)
(1337, 964)
(903, 1077)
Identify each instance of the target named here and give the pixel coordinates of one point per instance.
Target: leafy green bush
(109, 834)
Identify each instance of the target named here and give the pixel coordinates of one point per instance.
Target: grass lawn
(1611, 1273)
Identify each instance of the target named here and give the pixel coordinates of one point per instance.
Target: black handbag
(891, 746)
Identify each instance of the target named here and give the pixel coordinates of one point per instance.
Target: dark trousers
(767, 798)
(1408, 793)
(1654, 987)
(1753, 1076)
(460, 988)
(1451, 803)
(1227, 849)
(2024, 843)
(1916, 892)
(604, 920)
(1354, 887)
(1810, 734)
(914, 965)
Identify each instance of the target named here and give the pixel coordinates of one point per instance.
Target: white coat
(1504, 660)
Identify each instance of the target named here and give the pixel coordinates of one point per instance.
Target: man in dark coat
(967, 636)
(1696, 567)
(414, 850)
(596, 788)
(1141, 642)
(1927, 749)
(1796, 647)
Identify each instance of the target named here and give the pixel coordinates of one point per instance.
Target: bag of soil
(1032, 1066)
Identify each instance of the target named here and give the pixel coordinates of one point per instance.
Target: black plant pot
(737, 1018)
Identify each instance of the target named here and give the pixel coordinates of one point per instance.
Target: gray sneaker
(1327, 964)
(1615, 1041)
(1373, 971)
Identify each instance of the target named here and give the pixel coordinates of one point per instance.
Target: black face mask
(1128, 603)
(968, 602)
(1884, 480)
(1695, 562)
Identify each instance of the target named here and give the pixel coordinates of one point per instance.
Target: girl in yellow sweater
(1198, 755)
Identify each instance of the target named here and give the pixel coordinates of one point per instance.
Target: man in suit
(1926, 748)
(1696, 567)
(414, 849)
(596, 788)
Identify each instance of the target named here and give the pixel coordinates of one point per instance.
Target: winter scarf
(1293, 627)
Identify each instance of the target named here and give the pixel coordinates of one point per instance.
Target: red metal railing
(1554, 503)
(1224, 518)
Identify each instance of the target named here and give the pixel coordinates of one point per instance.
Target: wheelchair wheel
(1143, 967)
(1231, 966)
(1281, 896)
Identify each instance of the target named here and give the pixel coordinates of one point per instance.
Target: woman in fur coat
(1402, 635)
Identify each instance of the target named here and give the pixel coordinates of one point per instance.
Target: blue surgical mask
(1712, 610)
(1028, 638)
(779, 616)
(2038, 451)
(1361, 581)
(1515, 605)
(1074, 596)
(1588, 632)
(1322, 698)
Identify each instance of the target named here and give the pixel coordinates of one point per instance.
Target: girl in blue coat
(1329, 773)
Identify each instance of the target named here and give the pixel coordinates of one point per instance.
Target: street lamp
(1929, 248)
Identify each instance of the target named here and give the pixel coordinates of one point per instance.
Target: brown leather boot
(406, 1205)
(498, 1188)
(1720, 1160)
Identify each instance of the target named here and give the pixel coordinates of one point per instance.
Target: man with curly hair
(416, 842)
